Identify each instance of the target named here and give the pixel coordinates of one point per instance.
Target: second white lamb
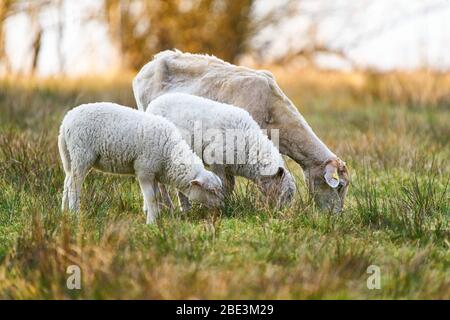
(249, 153)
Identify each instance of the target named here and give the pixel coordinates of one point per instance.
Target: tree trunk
(36, 50)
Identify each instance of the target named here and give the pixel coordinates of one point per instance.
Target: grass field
(392, 130)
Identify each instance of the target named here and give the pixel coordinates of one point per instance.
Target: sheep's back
(112, 129)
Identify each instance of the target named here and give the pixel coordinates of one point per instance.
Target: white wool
(121, 140)
(253, 90)
(186, 110)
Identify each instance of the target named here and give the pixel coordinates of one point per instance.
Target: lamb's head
(207, 189)
(329, 184)
(278, 188)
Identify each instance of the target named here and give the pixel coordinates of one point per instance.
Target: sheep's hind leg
(149, 189)
(65, 159)
(65, 197)
(74, 191)
(79, 170)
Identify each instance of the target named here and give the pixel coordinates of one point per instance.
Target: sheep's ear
(196, 183)
(331, 175)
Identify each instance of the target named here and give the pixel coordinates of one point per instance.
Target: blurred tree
(226, 28)
(32, 8)
(5, 10)
(139, 29)
(60, 35)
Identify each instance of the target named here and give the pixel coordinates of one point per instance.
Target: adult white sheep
(230, 142)
(257, 92)
(120, 140)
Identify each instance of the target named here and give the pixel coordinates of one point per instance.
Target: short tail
(64, 152)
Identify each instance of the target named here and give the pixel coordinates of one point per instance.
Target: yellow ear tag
(335, 176)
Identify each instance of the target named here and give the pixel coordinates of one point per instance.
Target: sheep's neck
(181, 178)
(299, 142)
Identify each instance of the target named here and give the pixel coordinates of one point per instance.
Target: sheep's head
(279, 188)
(328, 184)
(207, 189)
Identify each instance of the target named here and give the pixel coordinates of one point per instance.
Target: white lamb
(253, 156)
(120, 140)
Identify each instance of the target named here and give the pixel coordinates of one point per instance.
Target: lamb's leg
(65, 159)
(226, 177)
(144, 208)
(163, 199)
(65, 197)
(79, 170)
(228, 183)
(184, 202)
(149, 189)
(74, 191)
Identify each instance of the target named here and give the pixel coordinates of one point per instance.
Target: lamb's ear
(331, 175)
(196, 182)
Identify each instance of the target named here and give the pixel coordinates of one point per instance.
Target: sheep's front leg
(227, 178)
(144, 208)
(161, 194)
(228, 183)
(149, 190)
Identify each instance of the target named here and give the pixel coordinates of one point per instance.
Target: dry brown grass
(420, 88)
(392, 130)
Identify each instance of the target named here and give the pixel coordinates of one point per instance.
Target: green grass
(397, 215)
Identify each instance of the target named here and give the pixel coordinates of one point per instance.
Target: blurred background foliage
(139, 29)
(142, 28)
(264, 31)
